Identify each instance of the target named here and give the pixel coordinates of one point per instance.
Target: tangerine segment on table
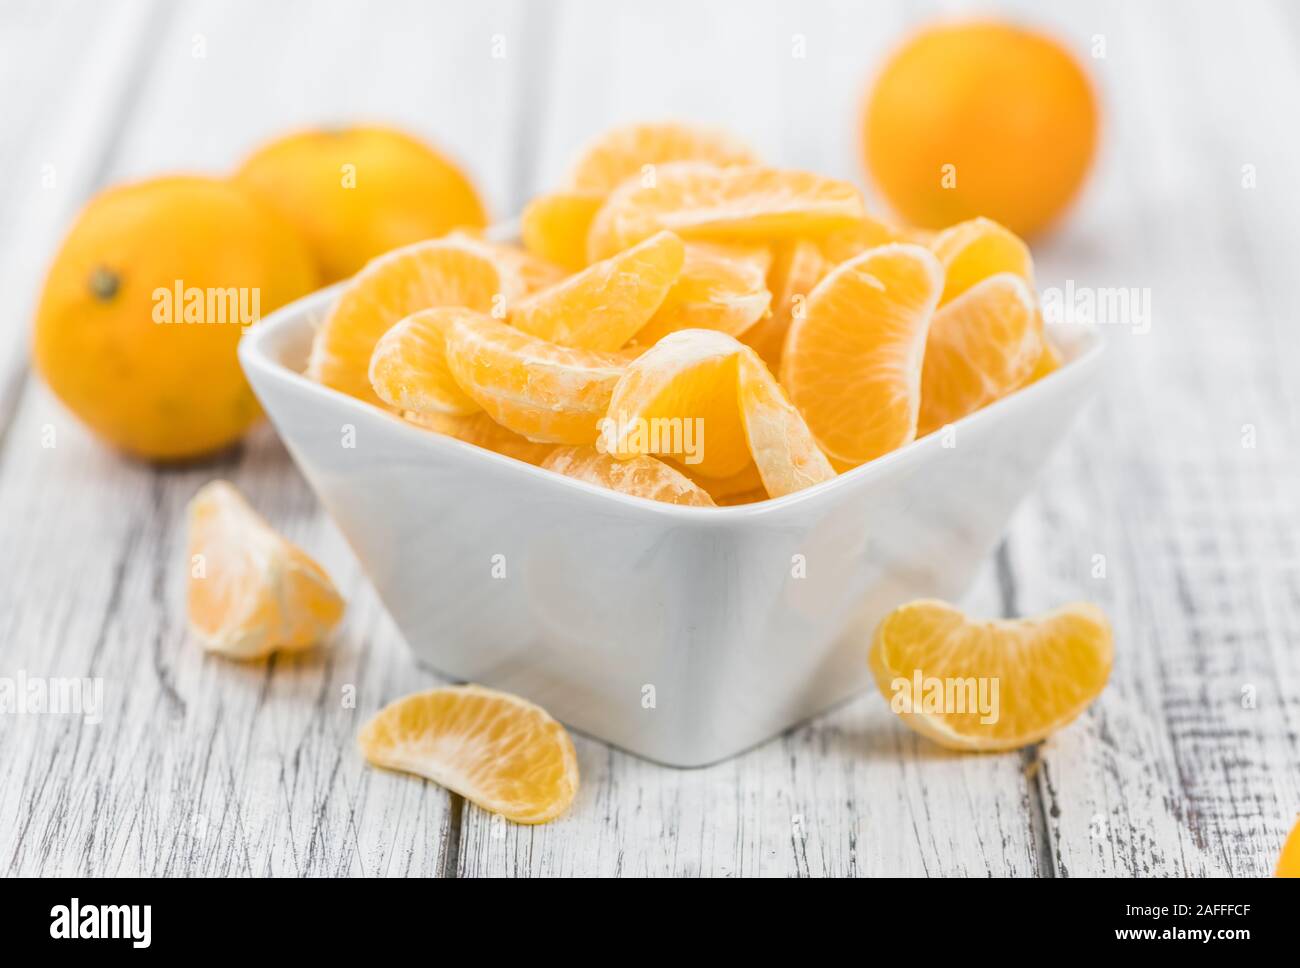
(547, 393)
(852, 362)
(496, 750)
(642, 476)
(783, 448)
(797, 267)
(734, 204)
(482, 431)
(624, 152)
(1046, 670)
(601, 307)
(982, 345)
(408, 369)
(443, 272)
(250, 591)
(555, 226)
(974, 250)
(1288, 862)
(679, 399)
(722, 287)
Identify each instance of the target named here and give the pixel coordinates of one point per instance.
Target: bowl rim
(1084, 347)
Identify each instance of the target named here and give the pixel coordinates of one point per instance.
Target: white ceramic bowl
(681, 634)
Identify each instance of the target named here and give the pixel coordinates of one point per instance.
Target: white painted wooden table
(205, 767)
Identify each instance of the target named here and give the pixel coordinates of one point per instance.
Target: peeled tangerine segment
(496, 750)
(710, 403)
(482, 431)
(733, 204)
(1034, 675)
(796, 269)
(459, 271)
(852, 361)
(722, 287)
(408, 369)
(976, 249)
(724, 489)
(679, 398)
(868, 233)
(531, 270)
(547, 393)
(250, 591)
(555, 226)
(783, 448)
(984, 344)
(1049, 362)
(602, 306)
(624, 152)
(641, 476)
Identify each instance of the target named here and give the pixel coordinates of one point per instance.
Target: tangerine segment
(641, 476)
(443, 272)
(722, 287)
(852, 362)
(704, 201)
(974, 250)
(784, 451)
(867, 234)
(624, 152)
(603, 305)
(497, 750)
(250, 591)
(1045, 671)
(1049, 362)
(408, 369)
(744, 482)
(797, 267)
(555, 226)
(482, 431)
(679, 399)
(547, 393)
(1288, 862)
(741, 497)
(981, 346)
(532, 271)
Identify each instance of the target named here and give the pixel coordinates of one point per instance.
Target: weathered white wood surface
(205, 767)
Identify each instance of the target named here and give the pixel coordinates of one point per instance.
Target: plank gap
(1039, 837)
(449, 856)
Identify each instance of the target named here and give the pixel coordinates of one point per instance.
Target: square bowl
(684, 635)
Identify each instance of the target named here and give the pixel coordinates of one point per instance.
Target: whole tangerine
(145, 303)
(980, 118)
(354, 193)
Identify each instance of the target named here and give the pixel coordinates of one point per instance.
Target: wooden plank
(70, 73)
(201, 766)
(1174, 771)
